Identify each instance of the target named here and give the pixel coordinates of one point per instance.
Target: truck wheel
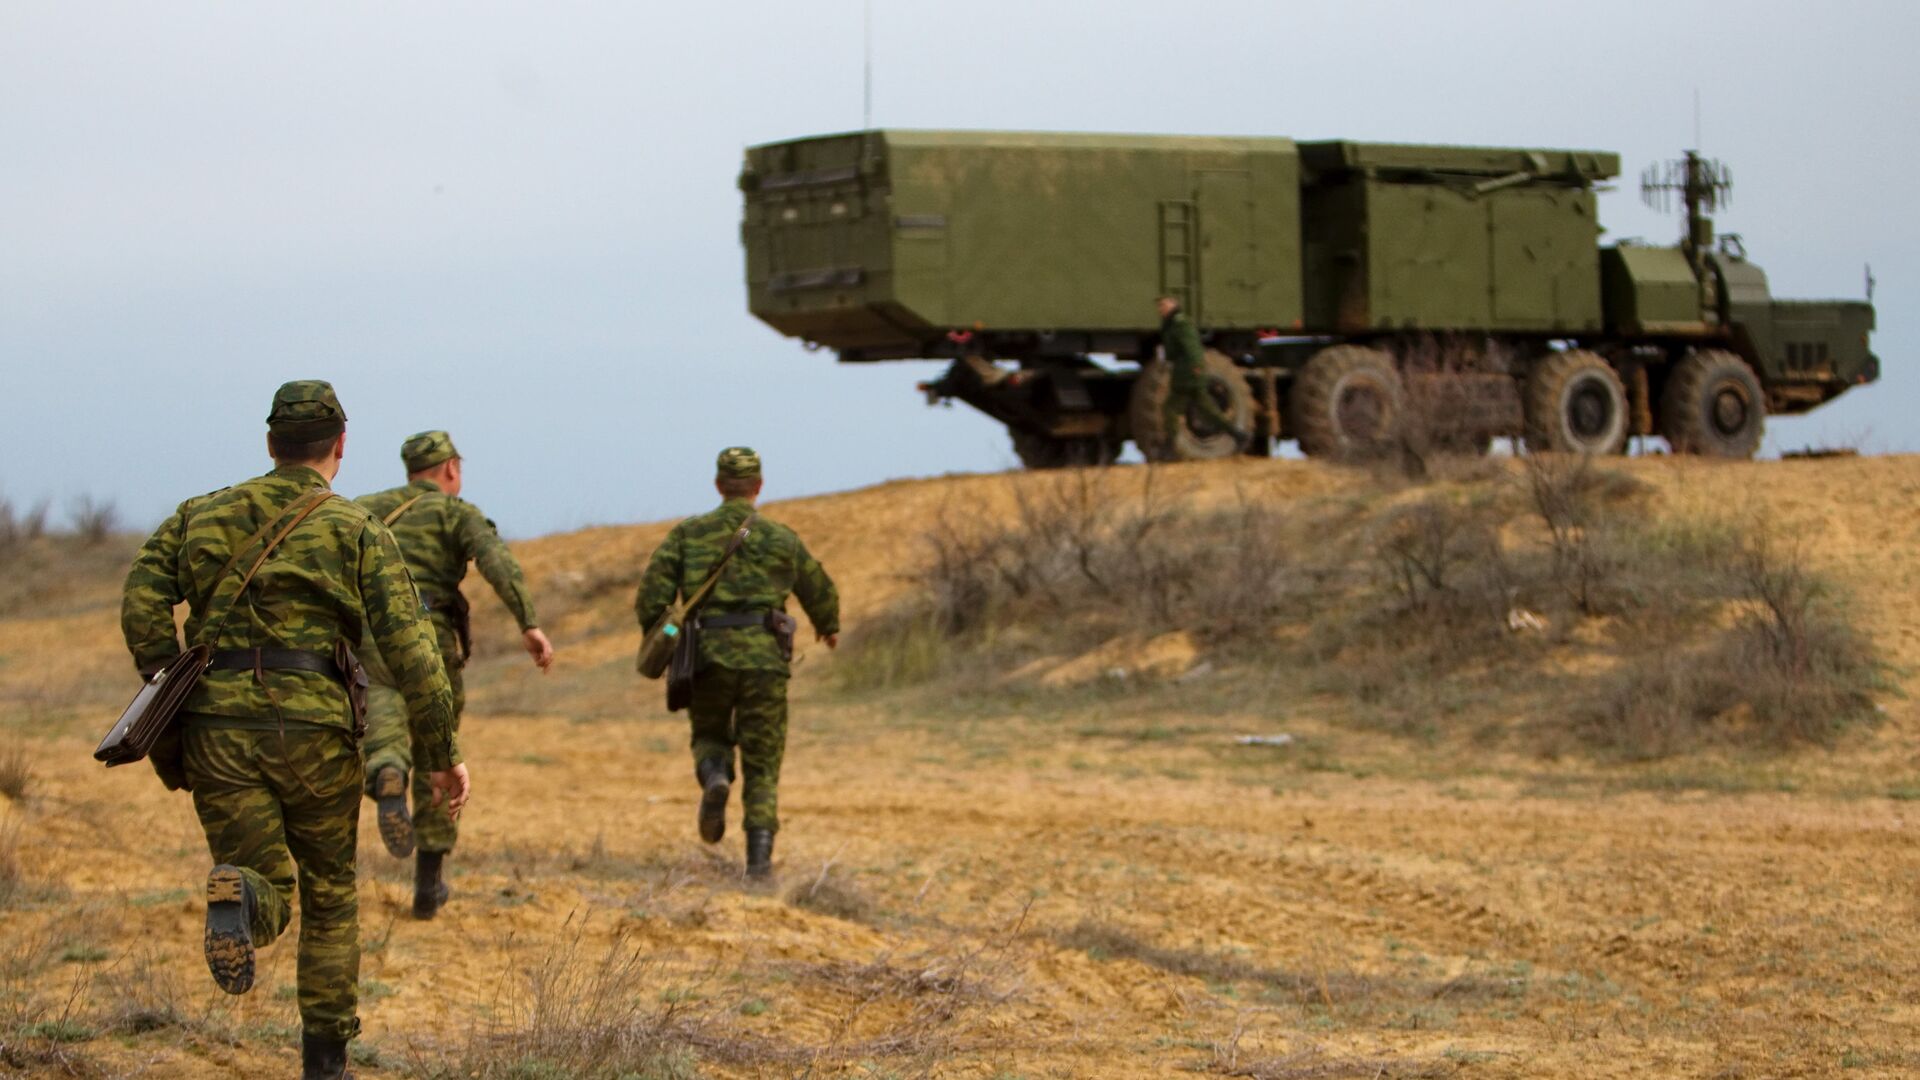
(1146, 405)
(1713, 406)
(1347, 403)
(1046, 452)
(1576, 404)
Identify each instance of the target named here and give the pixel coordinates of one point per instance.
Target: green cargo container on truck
(1352, 295)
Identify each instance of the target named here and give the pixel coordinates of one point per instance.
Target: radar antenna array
(1704, 185)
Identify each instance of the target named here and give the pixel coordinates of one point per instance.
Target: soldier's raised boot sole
(713, 808)
(390, 803)
(229, 941)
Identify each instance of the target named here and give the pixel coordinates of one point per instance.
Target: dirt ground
(1074, 885)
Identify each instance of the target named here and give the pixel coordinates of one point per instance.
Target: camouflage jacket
(439, 535)
(772, 564)
(1182, 343)
(338, 576)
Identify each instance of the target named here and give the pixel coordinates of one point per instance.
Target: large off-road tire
(1713, 406)
(1348, 402)
(1576, 404)
(1145, 407)
(1046, 452)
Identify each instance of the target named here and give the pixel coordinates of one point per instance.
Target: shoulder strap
(401, 509)
(713, 575)
(223, 598)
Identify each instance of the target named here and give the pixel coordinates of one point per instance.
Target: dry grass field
(1045, 851)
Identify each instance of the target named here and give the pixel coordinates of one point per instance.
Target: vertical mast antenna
(866, 98)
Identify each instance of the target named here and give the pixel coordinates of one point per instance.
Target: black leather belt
(733, 619)
(275, 660)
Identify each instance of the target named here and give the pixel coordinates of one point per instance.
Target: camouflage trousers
(390, 743)
(1187, 391)
(748, 710)
(280, 807)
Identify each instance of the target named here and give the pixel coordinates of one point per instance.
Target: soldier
(1187, 377)
(439, 533)
(266, 741)
(746, 643)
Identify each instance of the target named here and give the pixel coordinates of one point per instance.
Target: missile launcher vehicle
(1353, 296)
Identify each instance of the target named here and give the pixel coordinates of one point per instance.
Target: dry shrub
(1791, 670)
(1079, 562)
(21, 527)
(833, 895)
(16, 770)
(94, 520)
(574, 1014)
(1582, 508)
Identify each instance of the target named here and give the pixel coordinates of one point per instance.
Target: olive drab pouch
(461, 611)
(353, 674)
(662, 639)
(783, 626)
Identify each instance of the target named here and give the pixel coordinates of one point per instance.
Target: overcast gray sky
(519, 221)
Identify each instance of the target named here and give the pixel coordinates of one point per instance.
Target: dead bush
(1790, 670)
(94, 520)
(21, 527)
(1076, 552)
(576, 1014)
(1581, 507)
(835, 896)
(16, 770)
(1441, 552)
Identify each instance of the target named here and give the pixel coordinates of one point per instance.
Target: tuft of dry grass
(16, 770)
(830, 894)
(576, 1014)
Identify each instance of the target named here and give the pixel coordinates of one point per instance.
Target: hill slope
(1001, 881)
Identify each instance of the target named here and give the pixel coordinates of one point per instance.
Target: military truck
(1353, 296)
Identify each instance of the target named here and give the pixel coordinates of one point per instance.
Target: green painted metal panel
(1650, 289)
(1016, 231)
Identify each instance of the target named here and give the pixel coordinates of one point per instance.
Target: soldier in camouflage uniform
(266, 742)
(1187, 377)
(439, 534)
(740, 689)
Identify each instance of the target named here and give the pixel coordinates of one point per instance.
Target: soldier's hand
(832, 640)
(452, 787)
(538, 647)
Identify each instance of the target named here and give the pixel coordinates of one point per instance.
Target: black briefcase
(153, 709)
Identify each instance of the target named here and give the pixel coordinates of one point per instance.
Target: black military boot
(323, 1059)
(714, 788)
(390, 799)
(759, 854)
(430, 892)
(229, 941)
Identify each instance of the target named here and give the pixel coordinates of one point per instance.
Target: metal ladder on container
(1180, 253)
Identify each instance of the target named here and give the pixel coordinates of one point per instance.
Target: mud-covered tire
(1576, 404)
(1037, 451)
(1348, 402)
(1713, 406)
(1225, 381)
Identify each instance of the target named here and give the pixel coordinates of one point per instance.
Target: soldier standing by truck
(439, 533)
(1187, 377)
(745, 644)
(278, 572)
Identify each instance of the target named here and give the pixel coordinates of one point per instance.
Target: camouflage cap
(306, 410)
(737, 463)
(427, 449)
